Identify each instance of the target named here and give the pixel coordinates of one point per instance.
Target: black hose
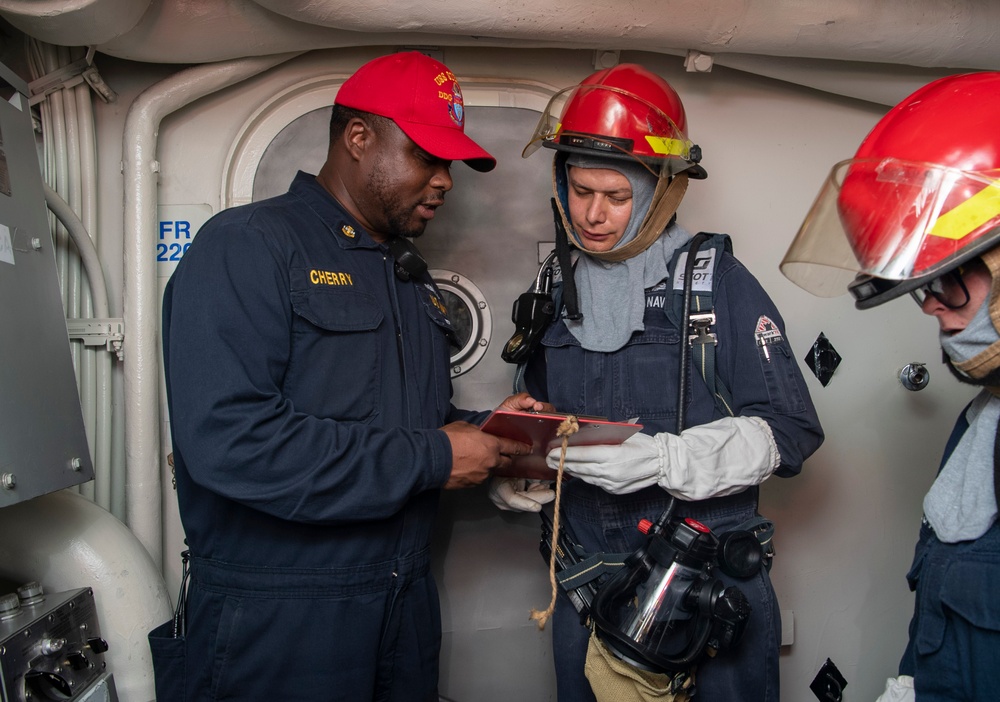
(696, 243)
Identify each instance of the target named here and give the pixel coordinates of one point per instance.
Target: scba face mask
(665, 610)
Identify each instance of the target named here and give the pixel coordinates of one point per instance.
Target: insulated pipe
(102, 358)
(95, 394)
(88, 252)
(55, 140)
(76, 296)
(99, 397)
(64, 541)
(61, 139)
(73, 108)
(142, 349)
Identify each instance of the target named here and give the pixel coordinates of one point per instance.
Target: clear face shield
(615, 123)
(893, 221)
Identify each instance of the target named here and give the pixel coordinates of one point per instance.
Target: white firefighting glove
(711, 460)
(520, 495)
(898, 690)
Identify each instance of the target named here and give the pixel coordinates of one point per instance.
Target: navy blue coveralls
(641, 380)
(953, 652)
(306, 387)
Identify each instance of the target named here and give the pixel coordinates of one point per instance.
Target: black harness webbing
(707, 250)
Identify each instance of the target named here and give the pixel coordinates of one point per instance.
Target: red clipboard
(539, 430)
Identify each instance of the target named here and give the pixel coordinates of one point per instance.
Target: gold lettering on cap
(442, 78)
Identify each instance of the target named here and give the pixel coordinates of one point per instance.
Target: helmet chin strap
(666, 199)
(980, 366)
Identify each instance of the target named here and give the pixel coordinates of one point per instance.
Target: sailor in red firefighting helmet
(613, 349)
(917, 211)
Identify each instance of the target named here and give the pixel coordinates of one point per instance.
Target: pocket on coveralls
(169, 662)
(336, 332)
(782, 378)
(963, 589)
(968, 592)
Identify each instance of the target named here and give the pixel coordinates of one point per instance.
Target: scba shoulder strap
(700, 290)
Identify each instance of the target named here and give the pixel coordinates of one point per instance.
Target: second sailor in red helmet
(916, 212)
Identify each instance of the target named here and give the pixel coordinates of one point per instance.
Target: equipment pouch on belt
(613, 680)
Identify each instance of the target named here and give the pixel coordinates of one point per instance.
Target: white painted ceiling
(877, 50)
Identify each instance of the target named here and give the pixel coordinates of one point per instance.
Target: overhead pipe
(142, 349)
(74, 22)
(928, 33)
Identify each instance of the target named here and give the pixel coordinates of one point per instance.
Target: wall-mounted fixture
(914, 376)
(470, 315)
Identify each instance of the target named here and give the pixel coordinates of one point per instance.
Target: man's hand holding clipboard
(538, 429)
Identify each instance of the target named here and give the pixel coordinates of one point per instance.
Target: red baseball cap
(422, 97)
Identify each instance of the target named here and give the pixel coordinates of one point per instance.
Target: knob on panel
(47, 686)
(10, 606)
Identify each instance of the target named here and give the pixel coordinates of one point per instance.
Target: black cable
(696, 243)
(180, 613)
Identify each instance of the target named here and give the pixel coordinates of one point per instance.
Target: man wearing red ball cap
(306, 354)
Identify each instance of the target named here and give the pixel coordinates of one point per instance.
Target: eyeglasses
(949, 289)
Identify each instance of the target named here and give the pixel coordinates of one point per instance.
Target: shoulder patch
(767, 332)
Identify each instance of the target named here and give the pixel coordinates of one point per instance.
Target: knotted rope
(569, 426)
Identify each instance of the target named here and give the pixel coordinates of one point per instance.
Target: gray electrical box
(43, 443)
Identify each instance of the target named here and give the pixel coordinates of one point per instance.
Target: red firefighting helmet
(621, 112)
(920, 197)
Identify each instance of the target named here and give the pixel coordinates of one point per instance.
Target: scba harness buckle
(699, 325)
